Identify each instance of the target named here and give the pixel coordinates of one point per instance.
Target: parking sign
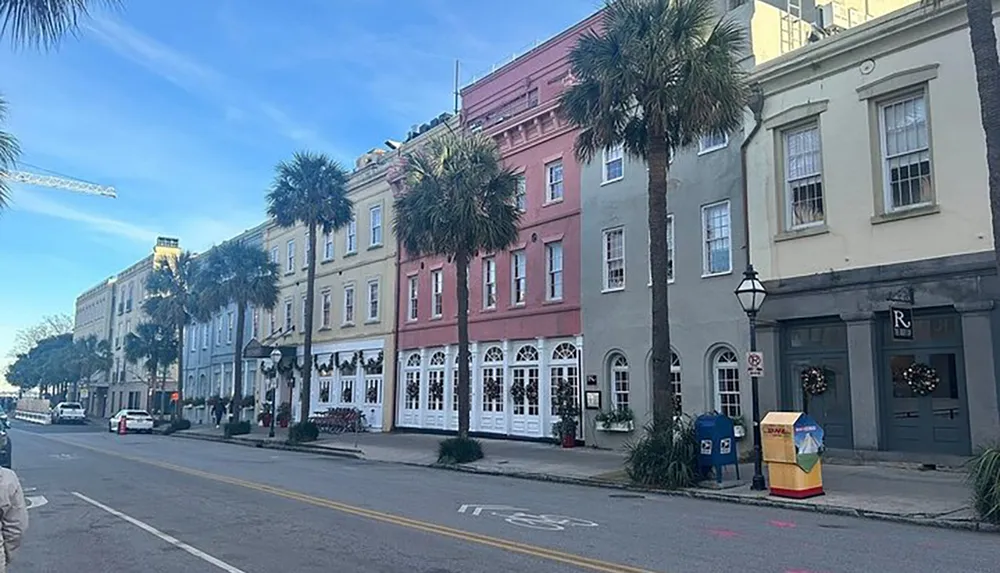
(755, 364)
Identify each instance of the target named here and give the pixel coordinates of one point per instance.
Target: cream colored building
(131, 386)
(93, 317)
(870, 225)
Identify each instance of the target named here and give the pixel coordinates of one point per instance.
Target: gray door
(938, 422)
(831, 409)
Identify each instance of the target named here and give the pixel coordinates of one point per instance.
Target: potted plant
(739, 426)
(616, 420)
(284, 414)
(566, 408)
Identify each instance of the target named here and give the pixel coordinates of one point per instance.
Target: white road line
(168, 538)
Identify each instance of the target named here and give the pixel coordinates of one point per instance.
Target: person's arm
(14, 520)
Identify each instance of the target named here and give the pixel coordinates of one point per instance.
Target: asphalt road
(156, 504)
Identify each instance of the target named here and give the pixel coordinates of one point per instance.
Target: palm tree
(661, 74)
(9, 151)
(91, 356)
(311, 189)
(459, 201)
(241, 274)
(43, 23)
(173, 303)
(154, 345)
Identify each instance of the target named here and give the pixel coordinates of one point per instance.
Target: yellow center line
(468, 536)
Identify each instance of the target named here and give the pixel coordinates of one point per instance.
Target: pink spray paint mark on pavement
(782, 524)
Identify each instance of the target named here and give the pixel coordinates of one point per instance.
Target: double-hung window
(327, 246)
(906, 152)
(803, 178)
(413, 297)
(489, 282)
(521, 194)
(375, 221)
(349, 304)
(327, 305)
(518, 281)
(437, 293)
(290, 253)
(713, 141)
(373, 300)
(351, 244)
(716, 239)
(554, 181)
(554, 271)
(614, 259)
(614, 164)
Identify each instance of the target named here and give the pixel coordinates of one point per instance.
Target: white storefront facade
(512, 383)
(350, 374)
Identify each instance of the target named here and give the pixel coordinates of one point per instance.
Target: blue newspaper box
(716, 437)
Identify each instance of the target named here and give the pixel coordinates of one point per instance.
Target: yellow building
(93, 317)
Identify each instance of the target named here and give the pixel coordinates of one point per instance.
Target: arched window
(675, 381)
(619, 381)
(492, 380)
(563, 368)
(727, 382)
(435, 382)
(526, 354)
(412, 387)
(524, 381)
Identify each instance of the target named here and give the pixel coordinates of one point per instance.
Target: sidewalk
(938, 498)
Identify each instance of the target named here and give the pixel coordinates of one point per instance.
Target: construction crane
(64, 183)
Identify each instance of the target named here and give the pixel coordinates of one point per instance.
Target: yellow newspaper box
(792, 444)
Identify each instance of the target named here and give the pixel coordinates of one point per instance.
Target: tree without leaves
(91, 356)
(52, 325)
(458, 202)
(662, 74)
(173, 302)
(311, 189)
(242, 274)
(43, 23)
(155, 346)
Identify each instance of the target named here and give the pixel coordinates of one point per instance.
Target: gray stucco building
(209, 350)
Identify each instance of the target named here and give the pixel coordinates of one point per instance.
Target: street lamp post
(275, 359)
(751, 295)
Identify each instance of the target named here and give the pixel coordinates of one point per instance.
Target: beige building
(93, 317)
(870, 225)
(131, 386)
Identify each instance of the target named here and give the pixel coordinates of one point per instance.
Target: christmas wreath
(493, 388)
(531, 392)
(436, 389)
(921, 378)
(813, 381)
(412, 390)
(517, 391)
(371, 395)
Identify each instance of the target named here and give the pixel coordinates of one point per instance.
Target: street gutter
(693, 493)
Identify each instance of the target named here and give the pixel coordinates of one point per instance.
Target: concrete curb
(269, 445)
(967, 525)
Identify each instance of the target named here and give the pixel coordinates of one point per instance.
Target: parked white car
(135, 421)
(71, 412)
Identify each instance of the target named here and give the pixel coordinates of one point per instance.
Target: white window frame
(887, 202)
(606, 236)
(489, 283)
(612, 155)
(305, 251)
(817, 174)
(351, 242)
(350, 304)
(521, 193)
(734, 365)
(413, 296)
(290, 256)
(373, 302)
(437, 293)
(551, 184)
(326, 308)
(620, 394)
(518, 278)
(218, 330)
(670, 254)
(289, 310)
(705, 270)
(328, 247)
(303, 314)
(230, 324)
(703, 148)
(275, 255)
(375, 226)
(552, 273)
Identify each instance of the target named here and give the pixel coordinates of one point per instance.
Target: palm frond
(310, 189)
(238, 273)
(42, 23)
(9, 152)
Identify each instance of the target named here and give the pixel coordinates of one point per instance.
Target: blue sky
(185, 106)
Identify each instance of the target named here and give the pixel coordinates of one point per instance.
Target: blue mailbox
(716, 437)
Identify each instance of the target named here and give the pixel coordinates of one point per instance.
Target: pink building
(524, 307)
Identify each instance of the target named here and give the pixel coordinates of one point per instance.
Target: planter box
(617, 427)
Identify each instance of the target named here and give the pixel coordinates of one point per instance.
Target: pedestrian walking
(13, 515)
(219, 411)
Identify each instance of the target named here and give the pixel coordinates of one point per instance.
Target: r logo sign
(902, 323)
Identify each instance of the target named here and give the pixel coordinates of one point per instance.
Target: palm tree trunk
(241, 316)
(308, 326)
(178, 410)
(663, 403)
(462, 290)
(984, 54)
